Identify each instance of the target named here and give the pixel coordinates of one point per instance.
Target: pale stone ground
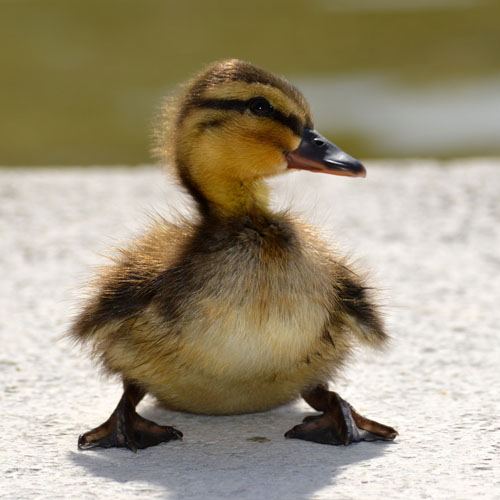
(431, 235)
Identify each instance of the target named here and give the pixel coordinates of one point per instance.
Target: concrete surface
(430, 234)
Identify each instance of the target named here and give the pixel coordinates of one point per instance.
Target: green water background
(81, 80)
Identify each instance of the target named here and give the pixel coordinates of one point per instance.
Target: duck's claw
(340, 424)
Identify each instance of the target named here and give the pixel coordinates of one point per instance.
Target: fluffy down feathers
(236, 317)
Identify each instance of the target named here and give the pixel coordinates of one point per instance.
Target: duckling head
(234, 125)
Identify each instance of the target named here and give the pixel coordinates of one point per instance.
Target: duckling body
(241, 309)
(248, 342)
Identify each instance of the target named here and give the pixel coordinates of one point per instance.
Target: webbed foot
(339, 424)
(126, 428)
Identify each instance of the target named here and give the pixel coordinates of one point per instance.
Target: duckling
(240, 308)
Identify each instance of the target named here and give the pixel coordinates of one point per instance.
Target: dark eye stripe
(235, 104)
(291, 121)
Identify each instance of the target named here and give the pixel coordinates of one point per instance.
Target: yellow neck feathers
(230, 196)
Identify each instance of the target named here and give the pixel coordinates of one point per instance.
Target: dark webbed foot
(339, 424)
(126, 428)
(131, 431)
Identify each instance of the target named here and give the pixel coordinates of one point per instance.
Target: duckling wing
(355, 306)
(123, 290)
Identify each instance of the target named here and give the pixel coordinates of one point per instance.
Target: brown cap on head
(234, 70)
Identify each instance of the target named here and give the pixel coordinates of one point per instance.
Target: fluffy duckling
(240, 309)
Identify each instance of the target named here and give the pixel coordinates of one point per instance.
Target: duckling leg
(126, 428)
(339, 424)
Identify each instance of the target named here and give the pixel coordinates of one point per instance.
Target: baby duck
(240, 309)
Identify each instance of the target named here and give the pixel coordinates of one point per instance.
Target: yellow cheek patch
(248, 145)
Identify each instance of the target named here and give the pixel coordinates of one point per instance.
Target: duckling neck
(230, 197)
(237, 197)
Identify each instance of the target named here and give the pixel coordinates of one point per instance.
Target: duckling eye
(260, 106)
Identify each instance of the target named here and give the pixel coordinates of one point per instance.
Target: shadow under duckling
(240, 309)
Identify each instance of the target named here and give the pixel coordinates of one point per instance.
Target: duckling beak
(318, 154)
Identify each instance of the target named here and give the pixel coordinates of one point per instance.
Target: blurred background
(81, 80)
